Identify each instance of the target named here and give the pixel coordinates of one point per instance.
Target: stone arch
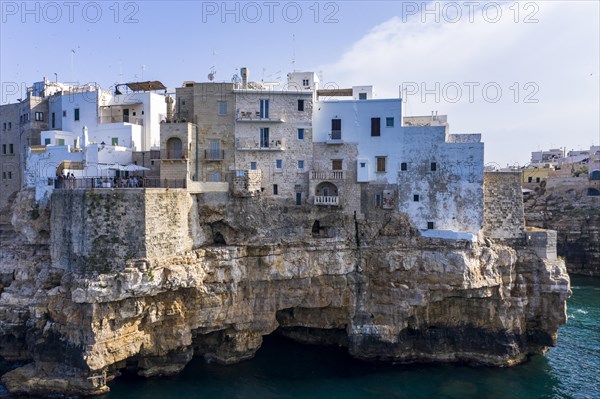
(174, 148)
(326, 189)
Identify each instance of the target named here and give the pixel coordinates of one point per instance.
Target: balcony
(254, 116)
(335, 137)
(174, 155)
(327, 175)
(326, 200)
(214, 155)
(120, 119)
(245, 144)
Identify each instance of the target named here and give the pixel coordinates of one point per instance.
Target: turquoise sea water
(284, 369)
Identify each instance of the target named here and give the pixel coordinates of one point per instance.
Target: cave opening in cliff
(218, 239)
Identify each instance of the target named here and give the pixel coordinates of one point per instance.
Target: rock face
(575, 216)
(208, 275)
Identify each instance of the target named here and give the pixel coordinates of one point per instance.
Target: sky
(525, 74)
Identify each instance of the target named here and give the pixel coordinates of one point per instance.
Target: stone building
(211, 107)
(21, 124)
(273, 133)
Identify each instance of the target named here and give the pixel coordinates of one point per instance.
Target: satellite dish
(211, 76)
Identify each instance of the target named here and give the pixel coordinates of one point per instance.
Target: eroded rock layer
(147, 279)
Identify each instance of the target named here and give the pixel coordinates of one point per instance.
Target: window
(60, 141)
(433, 166)
(305, 82)
(3, 148)
(300, 134)
(430, 225)
(537, 179)
(11, 149)
(252, 165)
(215, 176)
(64, 114)
(389, 121)
(336, 164)
(278, 163)
(375, 127)
(416, 197)
(362, 96)
(9, 174)
(378, 199)
(529, 179)
(54, 120)
(403, 166)
(264, 137)
(222, 107)
(47, 141)
(39, 116)
(381, 164)
(214, 150)
(301, 164)
(336, 129)
(76, 114)
(275, 189)
(298, 199)
(9, 125)
(114, 141)
(300, 105)
(264, 109)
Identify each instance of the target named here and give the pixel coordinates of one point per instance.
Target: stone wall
(574, 215)
(543, 243)
(95, 231)
(246, 183)
(503, 203)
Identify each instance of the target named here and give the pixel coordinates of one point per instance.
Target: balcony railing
(255, 116)
(180, 155)
(120, 119)
(327, 175)
(214, 155)
(326, 200)
(336, 135)
(111, 182)
(255, 144)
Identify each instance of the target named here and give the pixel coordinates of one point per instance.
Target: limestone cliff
(146, 279)
(575, 216)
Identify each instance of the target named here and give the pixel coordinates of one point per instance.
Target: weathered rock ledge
(148, 287)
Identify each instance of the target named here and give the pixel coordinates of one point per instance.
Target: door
(214, 150)
(264, 137)
(264, 109)
(126, 115)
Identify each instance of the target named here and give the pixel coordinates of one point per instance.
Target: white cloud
(558, 55)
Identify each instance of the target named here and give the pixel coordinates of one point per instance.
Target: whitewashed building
(437, 176)
(92, 129)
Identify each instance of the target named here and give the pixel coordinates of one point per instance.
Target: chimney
(244, 72)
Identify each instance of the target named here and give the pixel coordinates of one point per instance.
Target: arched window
(174, 148)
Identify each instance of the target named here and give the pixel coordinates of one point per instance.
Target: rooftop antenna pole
(120, 71)
(294, 52)
(72, 63)
(143, 68)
